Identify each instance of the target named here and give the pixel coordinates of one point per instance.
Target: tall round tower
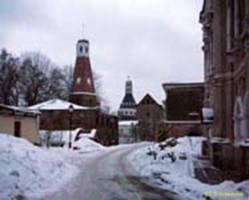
(83, 90)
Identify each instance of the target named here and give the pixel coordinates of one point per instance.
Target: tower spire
(127, 109)
(128, 86)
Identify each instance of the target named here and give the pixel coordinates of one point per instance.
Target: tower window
(86, 49)
(81, 49)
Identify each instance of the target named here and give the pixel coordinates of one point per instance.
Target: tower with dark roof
(127, 109)
(83, 90)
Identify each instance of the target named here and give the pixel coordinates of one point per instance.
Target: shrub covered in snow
(27, 170)
(174, 167)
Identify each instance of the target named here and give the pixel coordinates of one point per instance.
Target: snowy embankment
(86, 145)
(171, 165)
(29, 171)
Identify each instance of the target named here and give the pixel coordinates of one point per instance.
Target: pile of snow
(90, 135)
(27, 171)
(86, 145)
(171, 164)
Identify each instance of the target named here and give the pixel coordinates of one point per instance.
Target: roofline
(83, 40)
(20, 111)
(37, 106)
(148, 94)
(75, 109)
(182, 85)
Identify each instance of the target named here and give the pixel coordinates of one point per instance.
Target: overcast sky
(152, 41)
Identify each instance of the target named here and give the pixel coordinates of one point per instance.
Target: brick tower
(83, 90)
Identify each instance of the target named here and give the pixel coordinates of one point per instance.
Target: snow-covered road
(108, 176)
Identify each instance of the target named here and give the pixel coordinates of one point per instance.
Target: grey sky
(152, 41)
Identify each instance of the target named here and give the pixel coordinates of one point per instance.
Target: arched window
(239, 120)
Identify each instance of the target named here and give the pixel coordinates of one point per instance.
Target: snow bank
(156, 163)
(29, 171)
(86, 145)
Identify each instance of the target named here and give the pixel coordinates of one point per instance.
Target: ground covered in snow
(171, 165)
(29, 172)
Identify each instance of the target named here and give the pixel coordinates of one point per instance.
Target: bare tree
(68, 80)
(9, 92)
(33, 82)
(41, 79)
(100, 93)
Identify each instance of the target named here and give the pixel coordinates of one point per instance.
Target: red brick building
(183, 105)
(226, 63)
(150, 117)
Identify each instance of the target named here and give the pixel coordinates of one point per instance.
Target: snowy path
(108, 176)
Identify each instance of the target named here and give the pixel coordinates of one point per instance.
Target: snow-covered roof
(127, 123)
(19, 110)
(58, 104)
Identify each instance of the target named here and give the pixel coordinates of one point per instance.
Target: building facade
(150, 117)
(183, 105)
(226, 62)
(19, 122)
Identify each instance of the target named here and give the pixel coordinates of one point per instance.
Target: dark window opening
(81, 49)
(148, 114)
(86, 49)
